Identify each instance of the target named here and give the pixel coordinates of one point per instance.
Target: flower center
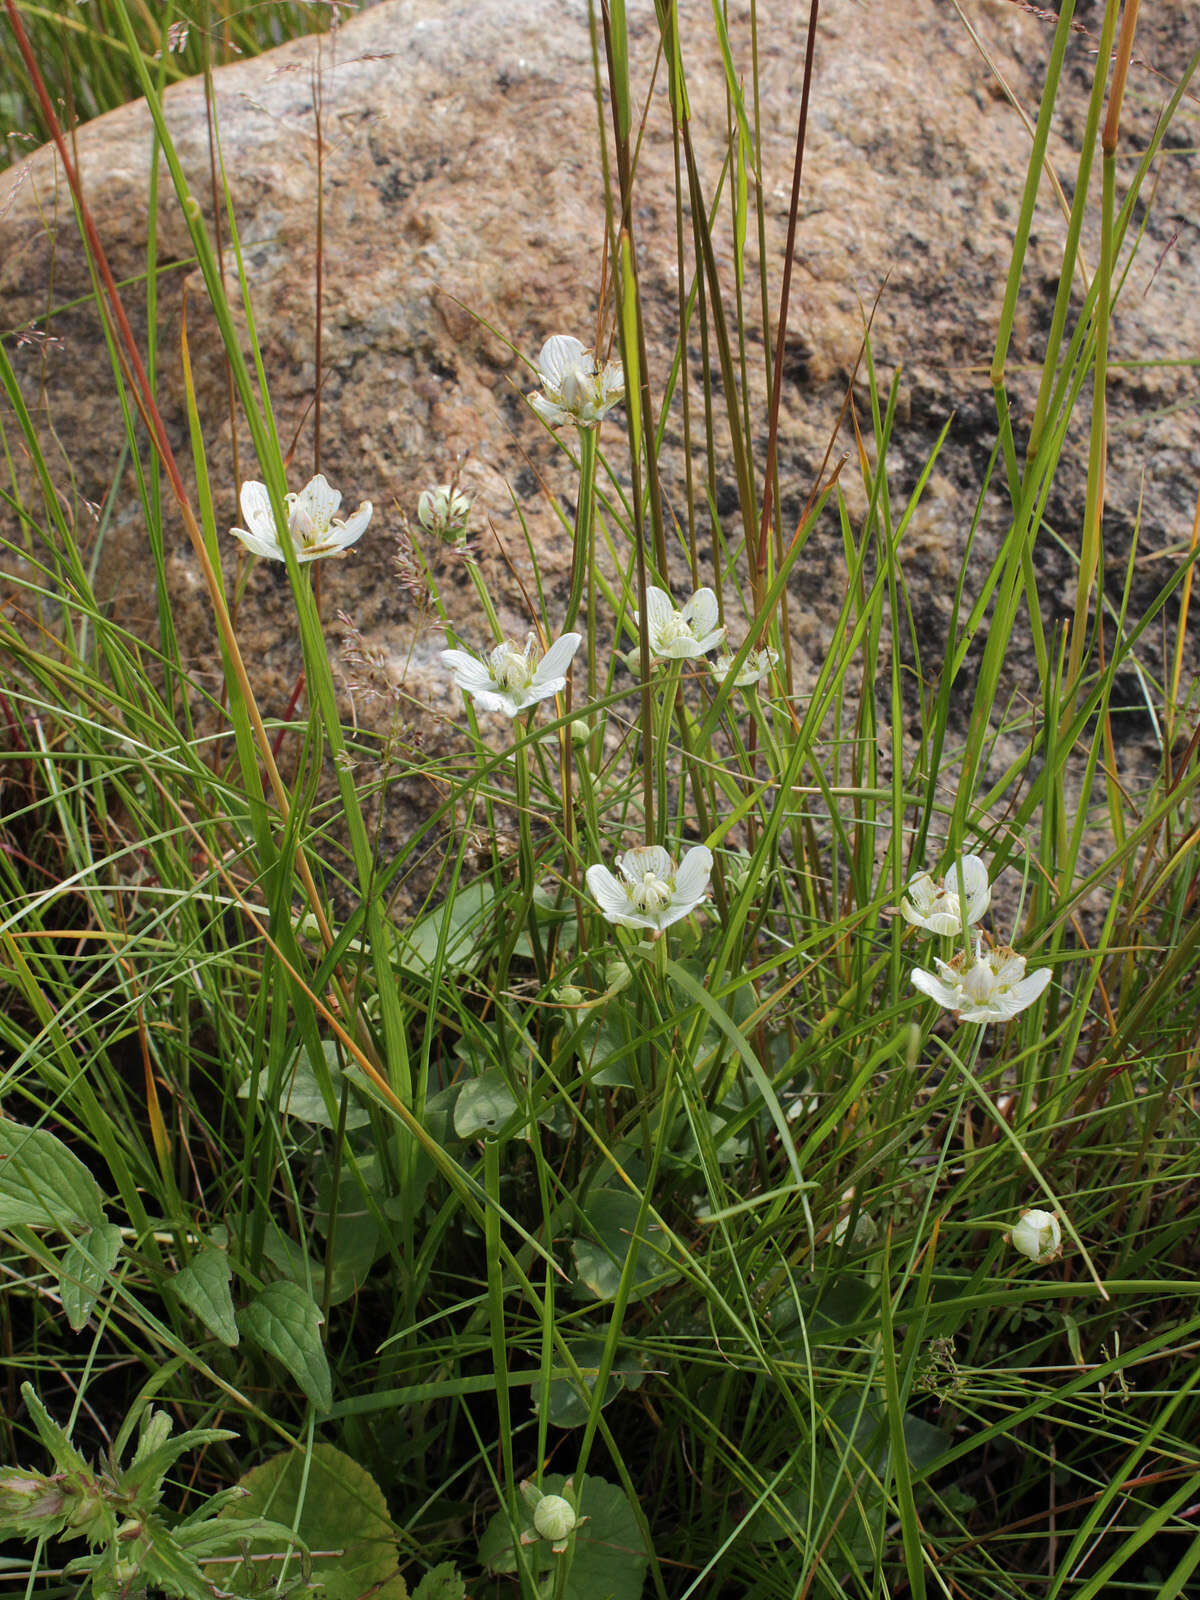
(980, 983)
(511, 667)
(673, 629)
(650, 893)
(579, 390)
(306, 529)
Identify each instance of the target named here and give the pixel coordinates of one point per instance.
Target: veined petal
(541, 691)
(700, 613)
(660, 608)
(1031, 988)
(256, 508)
(561, 354)
(470, 674)
(551, 414)
(318, 500)
(943, 993)
(259, 545)
(609, 895)
(643, 858)
(354, 527)
(709, 642)
(557, 659)
(505, 700)
(692, 879)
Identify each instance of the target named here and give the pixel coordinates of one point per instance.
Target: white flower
(1038, 1236)
(682, 634)
(753, 670)
(992, 989)
(444, 512)
(938, 910)
(314, 529)
(512, 679)
(654, 894)
(577, 390)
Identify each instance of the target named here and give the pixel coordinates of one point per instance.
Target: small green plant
(116, 1510)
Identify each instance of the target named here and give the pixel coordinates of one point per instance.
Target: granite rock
(464, 222)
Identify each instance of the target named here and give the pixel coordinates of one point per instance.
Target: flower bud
(580, 731)
(554, 1518)
(567, 994)
(1038, 1236)
(617, 975)
(444, 512)
(31, 1504)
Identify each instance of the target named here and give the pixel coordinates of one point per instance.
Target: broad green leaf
(339, 1512)
(465, 920)
(569, 1403)
(600, 1255)
(301, 1096)
(83, 1269)
(204, 1287)
(358, 1240)
(443, 1582)
(483, 1106)
(43, 1184)
(608, 1561)
(284, 1322)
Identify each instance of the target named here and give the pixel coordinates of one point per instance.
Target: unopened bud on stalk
(554, 1518)
(444, 512)
(1038, 1236)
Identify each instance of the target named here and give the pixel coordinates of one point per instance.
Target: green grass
(90, 64)
(714, 1224)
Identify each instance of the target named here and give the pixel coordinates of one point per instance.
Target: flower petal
(943, 993)
(557, 659)
(258, 544)
(551, 414)
(256, 508)
(470, 674)
(610, 896)
(710, 641)
(643, 858)
(660, 608)
(561, 354)
(354, 527)
(318, 500)
(700, 613)
(692, 879)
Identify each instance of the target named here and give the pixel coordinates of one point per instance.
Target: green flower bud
(554, 1518)
(616, 976)
(444, 512)
(30, 1504)
(568, 995)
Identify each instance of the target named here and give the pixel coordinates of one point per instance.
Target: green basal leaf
(204, 1287)
(284, 1322)
(84, 1268)
(600, 1255)
(338, 1512)
(43, 1184)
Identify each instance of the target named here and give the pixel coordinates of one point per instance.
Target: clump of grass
(90, 62)
(634, 1172)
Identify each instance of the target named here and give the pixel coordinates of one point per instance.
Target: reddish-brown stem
(760, 555)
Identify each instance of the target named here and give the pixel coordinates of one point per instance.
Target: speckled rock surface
(464, 222)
